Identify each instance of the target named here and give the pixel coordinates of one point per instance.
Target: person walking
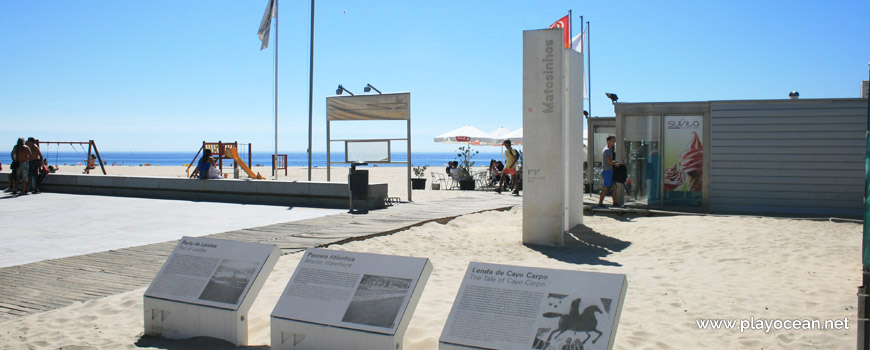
(607, 166)
(511, 157)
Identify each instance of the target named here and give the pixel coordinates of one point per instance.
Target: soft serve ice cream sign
(684, 154)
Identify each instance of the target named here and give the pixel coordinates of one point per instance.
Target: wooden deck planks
(56, 283)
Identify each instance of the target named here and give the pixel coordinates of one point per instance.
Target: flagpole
(310, 87)
(275, 159)
(570, 28)
(589, 66)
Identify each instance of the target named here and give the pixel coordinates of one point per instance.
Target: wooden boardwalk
(53, 284)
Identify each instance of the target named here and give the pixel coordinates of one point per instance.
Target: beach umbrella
(495, 137)
(515, 136)
(466, 134)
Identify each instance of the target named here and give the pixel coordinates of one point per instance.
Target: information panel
(361, 291)
(208, 271)
(514, 307)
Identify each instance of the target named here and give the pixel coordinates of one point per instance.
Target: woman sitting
(206, 167)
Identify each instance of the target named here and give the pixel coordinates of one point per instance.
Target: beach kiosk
(785, 156)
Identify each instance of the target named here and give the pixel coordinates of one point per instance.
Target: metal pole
(570, 29)
(276, 83)
(409, 155)
(863, 305)
(310, 87)
(588, 69)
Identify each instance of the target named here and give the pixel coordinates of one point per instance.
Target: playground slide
(234, 153)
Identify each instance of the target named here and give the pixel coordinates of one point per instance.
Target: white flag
(266, 24)
(577, 43)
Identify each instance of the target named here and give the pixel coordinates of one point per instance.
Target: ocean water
(297, 159)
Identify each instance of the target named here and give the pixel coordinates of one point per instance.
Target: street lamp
(369, 88)
(340, 89)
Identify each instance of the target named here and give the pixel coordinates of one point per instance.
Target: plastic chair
(439, 179)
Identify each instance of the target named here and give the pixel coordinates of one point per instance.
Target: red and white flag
(565, 24)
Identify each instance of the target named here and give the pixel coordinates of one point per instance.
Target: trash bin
(358, 185)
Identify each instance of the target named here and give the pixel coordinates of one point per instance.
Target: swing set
(92, 149)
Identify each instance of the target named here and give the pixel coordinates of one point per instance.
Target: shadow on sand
(147, 341)
(584, 246)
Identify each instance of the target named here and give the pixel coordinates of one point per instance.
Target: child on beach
(91, 164)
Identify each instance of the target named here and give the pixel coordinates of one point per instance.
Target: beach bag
(620, 173)
(214, 173)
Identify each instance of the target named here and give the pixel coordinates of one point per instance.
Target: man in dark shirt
(607, 166)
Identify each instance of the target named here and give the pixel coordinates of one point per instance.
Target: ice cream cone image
(675, 177)
(692, 163)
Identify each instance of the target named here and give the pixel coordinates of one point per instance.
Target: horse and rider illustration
(573, 321)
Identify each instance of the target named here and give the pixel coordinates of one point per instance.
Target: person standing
(607, 172)
(36, 160)
(21, 154)
(511, 157)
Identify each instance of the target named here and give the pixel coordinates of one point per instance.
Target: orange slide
(233, 153)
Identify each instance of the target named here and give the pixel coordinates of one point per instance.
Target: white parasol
(466, 134)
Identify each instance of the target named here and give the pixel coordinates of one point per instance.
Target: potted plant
(465, 155)
(419, 182)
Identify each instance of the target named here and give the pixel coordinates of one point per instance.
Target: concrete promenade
(58, 282)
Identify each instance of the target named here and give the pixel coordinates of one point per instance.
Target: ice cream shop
(789, 156)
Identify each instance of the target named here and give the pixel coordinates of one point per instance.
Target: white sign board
(370, 151)
(211, 272)
(514, 307)
(361, 291)
(552, 137)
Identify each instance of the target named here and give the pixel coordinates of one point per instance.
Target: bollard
(357, 185)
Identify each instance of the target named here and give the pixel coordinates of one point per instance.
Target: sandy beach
(681, 270)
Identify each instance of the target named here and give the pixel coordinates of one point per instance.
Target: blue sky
(164, 75)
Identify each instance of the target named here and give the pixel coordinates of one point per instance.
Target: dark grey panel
(805, 135)
(789, 127)
(761, 209)
(810, 189)
(788, 113)
(764, 118)
(783, 104)
(773, 162)
(850, 197)
(789, 173)
(716, 179)
(839, 151)
(759, 142)
(781, 157)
